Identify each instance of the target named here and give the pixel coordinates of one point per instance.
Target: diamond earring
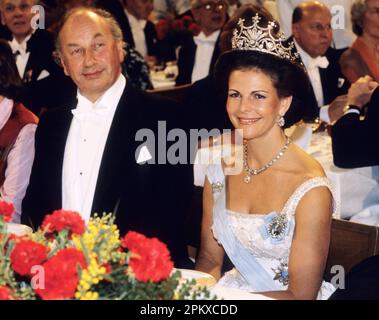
(281, 122)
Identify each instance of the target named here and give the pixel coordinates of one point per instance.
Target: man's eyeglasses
(320, 28)
(213, 6)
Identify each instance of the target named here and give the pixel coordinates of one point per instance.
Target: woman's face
(253, 104)
(371, 20)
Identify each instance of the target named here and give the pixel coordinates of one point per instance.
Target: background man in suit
(42, 77)
(86, 154)
(139, 32)
(352, 137)
(312, 34)
(199, 54)
(342, 33)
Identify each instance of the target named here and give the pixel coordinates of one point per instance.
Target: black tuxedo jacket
(149, 198)
(43, 92)
(117, 10)
(353, 140)
(186, 60)
(333, 84)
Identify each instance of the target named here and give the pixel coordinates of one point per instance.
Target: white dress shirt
(22, 56)
(312, 66)
(19, 161)
(204, 53)
(84, 149)
(138, 32)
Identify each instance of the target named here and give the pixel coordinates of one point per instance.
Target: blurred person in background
(363, 57)
(198, 55)
(17, 129)
(45, 82)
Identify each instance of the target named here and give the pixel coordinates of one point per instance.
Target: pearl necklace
(253, 172)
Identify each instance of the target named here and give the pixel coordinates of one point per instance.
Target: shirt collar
(141, 23)
(320, 61)
(6, 107)
(212, 38)
(21, 47)
(101, 105)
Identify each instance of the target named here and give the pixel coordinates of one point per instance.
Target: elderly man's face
(314, 33)
(89, 54)
(141, 9)
(17, 16)
(210, 15)
(371, 19)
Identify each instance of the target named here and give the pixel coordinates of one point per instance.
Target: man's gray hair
(358, 11)
(109, 19)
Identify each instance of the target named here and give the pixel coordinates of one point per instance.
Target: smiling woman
(251, 215)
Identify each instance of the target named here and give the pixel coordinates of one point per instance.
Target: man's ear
(64, 66)
(2, 18)
(296, 30)
(196, 15)
(121, 45)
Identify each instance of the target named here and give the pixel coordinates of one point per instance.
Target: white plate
(202, 278)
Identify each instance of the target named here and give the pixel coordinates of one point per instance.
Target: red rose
(150, 260)
(27, 254)
(60, 220)
(6, 293)
(61, 275)
(6, 210)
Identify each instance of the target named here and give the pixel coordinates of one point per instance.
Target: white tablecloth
(356, 189)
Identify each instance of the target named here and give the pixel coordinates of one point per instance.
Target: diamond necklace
(253, 172)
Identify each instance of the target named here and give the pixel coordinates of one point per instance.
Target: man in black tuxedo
(312, 34)
(86, 154)
(352, 138)
(198, 54)
(138, 31)
(43, 78)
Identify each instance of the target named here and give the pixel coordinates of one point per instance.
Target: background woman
(363, 57)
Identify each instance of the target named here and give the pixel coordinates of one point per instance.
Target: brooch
(276, 226)
(281, 273)
(217, 187)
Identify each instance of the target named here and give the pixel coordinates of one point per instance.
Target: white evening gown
(258, 245)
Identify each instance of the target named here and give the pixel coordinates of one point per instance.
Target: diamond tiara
(256, 38)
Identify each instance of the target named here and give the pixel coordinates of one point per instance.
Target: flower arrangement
(65, 259)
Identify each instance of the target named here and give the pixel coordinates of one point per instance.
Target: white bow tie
(18, 47)
(83, 112)
(201, 40)
(320, 62)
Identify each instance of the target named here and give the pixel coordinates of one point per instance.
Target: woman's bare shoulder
(305, 164)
